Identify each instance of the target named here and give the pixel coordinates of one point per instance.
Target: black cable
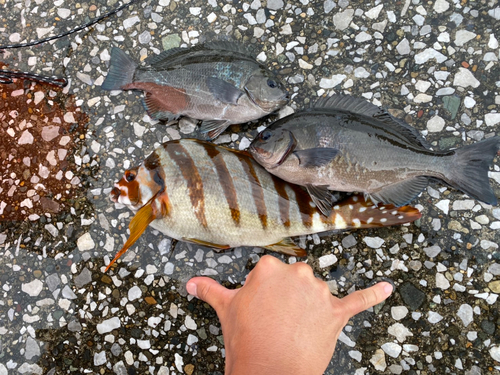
(88, 24)
(6, 76)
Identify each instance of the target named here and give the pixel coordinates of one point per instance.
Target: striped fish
(209, 195)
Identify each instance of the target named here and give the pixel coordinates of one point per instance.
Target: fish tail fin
(469, 170)
(359, 212)
(121, 70)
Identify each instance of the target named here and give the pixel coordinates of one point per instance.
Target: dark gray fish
(348, 144)
(220, 83)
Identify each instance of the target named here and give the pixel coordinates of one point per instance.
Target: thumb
(361, 300)
(210, 291)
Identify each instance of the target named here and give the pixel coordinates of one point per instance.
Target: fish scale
(198, 192)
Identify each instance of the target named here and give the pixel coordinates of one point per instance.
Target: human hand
(284, 320)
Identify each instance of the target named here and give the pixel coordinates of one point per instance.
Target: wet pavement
(434, 64)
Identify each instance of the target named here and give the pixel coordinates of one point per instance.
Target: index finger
(361, 300)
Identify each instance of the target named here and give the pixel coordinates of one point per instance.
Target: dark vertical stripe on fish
(225, 180)
(305, 207)
(283, 201)
(257, 191)
(153, 165)
(186, 165)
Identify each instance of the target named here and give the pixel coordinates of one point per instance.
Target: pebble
(108, 325)
(32, 348)
(392, 349)
(398, 312)
(444, 205)
(434, 317)
(190, 323)
(495, 353)
(411, 295)
(100, 358)
(432, 251)
(485, 245)
(463, 36)
(329, 83)
(442, 282)
(85, 242)
(327, 260)
(374, 242)
(399, 331)
(349, 241)
(428, 54)
(134, 293)
(343, 19)
(435, 124)
(494, 286)
(378, 360)
(441, 6)
(275, 4)
(465, 78)
(492, 119)
(465, 313)
(179, 362)
(32, 288)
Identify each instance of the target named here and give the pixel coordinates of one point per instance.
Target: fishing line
(6, 76)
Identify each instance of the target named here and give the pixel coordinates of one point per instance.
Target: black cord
(6, 76)
(88, 24)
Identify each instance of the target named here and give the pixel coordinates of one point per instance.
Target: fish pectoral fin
(213, 128)
(322, 198)
(401, 193)
(137, 226)
(288, 247)
(224, 91)
(206, 243)
(316, 157)
(158, 110)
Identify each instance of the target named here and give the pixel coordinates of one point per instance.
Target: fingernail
(388, 289)
(191, 289)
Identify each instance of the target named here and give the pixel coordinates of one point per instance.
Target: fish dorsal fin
(175, 57)
(288, 247)
(137, 226)
(365, 108)
(239, 48)
(164, 55)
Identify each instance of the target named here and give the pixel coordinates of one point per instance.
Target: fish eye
(272, 83)
(265, 135)
(129, 176)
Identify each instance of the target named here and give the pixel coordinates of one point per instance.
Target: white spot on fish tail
(369, 220)
(339, 222)
(400, 217)
(354, 199)
(351, 207)
(362, 209)
(394, 212)
(384, 212)
(317, 224)
(311, 203)
(383, 220)
(336, 207)
(356, 222)
(381, 208)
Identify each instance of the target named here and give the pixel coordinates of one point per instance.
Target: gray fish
(220, 83)
(348, 144)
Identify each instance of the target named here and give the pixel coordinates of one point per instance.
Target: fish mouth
(268, 106)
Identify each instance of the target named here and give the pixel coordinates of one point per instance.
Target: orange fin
(288, 247)
(206, 243)
(358, 212)
(137, 226)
